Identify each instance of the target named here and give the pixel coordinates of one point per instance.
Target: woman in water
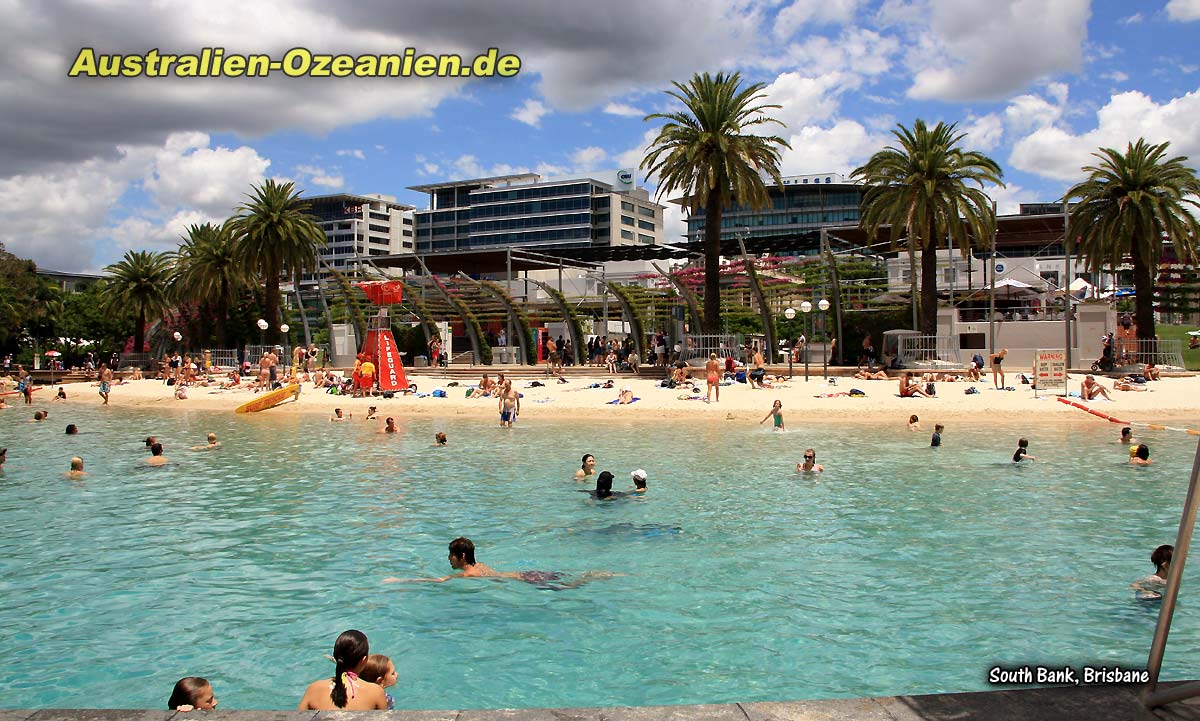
(914, 423)
(1151, 587)
(810, 464)
(192, 694)
(777, 413)
(1141, 455)
(588, 468)
(346, 690)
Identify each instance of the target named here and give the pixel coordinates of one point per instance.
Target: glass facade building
(526, 211)
(803, 203)
(358, 226)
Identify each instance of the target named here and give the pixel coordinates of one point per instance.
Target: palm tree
(922, 189)
(275, 235)
(209, 271)
(1128, 205)
(138, 283)
(704, 152)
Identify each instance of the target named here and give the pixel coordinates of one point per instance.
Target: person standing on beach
(105, 381)
(712, 370)
(997, 371)
(510, 405)
(756, 376)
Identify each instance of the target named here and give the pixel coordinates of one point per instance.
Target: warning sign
(1050, 370)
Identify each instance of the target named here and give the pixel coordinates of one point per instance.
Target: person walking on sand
(776, 412)
(997, 370)
(712, 369)
(510, 405)
(105, 381)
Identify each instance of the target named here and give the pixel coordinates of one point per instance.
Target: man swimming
(462, 560)
(156, 455)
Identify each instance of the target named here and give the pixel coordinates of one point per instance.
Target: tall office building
(526, 211)
(803, 203)
(359, 226)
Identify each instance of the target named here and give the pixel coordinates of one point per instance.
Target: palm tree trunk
(139, 332)
(929, 283)
(222, 311)
(712, 264)
(1143, 307)
(912, 281)
(271, 306)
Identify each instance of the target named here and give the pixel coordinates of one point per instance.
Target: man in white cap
(639, 481)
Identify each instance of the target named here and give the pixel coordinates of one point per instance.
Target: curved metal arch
(514, 313)
(688, 295)
(470, 323)
(420, 310)
(630, 313)
(568, 313)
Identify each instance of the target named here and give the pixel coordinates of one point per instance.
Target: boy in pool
(936, 441)
(462, 559)
(1022, 452)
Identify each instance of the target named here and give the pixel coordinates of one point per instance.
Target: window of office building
(648, 212)
(627, 234)
(645, 238)
(626, 205)
(627, 220)
(645, 226)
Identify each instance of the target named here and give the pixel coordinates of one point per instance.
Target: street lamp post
(790, 313)
(262, 328)
(823, 305)
(806, 308)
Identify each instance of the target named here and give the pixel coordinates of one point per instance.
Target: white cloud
(355, 153)
(806, 99)
(984, 133)
(624, 110)
(986, 50)
(530, 113)
(838, 149)
(801, 12)
(632, 158)
(1184, 10)
(1026, 112)
(320, 176)
(856, 50)
(430, 169)
(589, 158)
(468, 166)
(1131, 20)
(187, 172)
(1115, 76)
(1055, 152)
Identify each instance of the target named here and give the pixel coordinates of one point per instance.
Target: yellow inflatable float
(270, 400)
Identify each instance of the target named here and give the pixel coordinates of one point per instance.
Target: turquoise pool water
(900, 570)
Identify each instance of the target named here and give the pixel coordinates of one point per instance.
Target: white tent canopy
(1011, 283)
(1080, 284)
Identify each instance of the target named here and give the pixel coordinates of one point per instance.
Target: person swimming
(1022, 452)
(809, 465)
(587, 467)
(439, 439)
(72, 429)
(1141, 455)
(1153, 586)
(639, 481)
(603, 488)
(462, 560)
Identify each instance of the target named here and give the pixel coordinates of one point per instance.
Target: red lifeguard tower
(379, 343)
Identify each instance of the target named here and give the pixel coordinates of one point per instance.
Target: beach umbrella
(52, 354)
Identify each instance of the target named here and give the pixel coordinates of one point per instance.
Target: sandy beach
(1173, 400)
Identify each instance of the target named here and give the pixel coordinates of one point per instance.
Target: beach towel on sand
(618, 400)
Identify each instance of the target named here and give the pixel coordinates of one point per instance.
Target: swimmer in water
(439, 439)
(213, 444)
(639, 481)
(777, 413)
(1141, 455)
(156, 455)
(1022, 452)
(810, 464)
(389, 425)
(603, 490)
(936, 440)
(1152, 587)
(914, 423)
(462, 560)
(76, 472)
(1127, 437)
(72, 429)
(371, 410)
(587, 468)
(337, 416)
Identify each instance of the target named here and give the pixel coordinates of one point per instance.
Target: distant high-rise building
(360, 226)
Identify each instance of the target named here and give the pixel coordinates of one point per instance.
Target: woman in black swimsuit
(997, 371)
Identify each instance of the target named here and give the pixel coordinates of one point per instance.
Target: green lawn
(1191, 358)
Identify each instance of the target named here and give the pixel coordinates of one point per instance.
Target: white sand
(1174, 400)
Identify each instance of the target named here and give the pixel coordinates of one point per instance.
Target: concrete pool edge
(1118, 702)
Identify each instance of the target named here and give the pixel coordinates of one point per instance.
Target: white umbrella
(1194, 332)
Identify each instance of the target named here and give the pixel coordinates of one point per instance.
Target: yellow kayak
(270, 400)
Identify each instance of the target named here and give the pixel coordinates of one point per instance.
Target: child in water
(192, 693)
(777, 413)
(1022, 452)
(936, 440)
(380, 670)
(1152, 587)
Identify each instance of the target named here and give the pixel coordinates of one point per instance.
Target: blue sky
(90, 168)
